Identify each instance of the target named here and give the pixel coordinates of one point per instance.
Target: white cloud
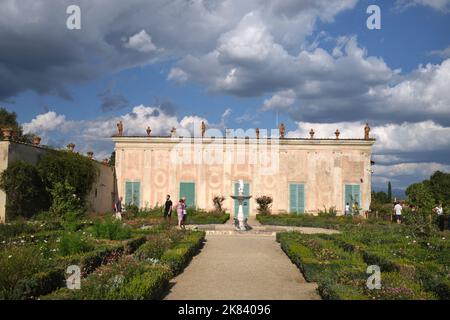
(281, 99)
(444, 53)
(406, 173)
(141, 41)
(423, 91)
(49, 121)
(95, 135)
(405, 137)
(439, 5)
(177, 75)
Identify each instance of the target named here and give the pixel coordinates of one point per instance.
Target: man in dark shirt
(168, 208)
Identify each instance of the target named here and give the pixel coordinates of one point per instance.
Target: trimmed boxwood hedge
(133, 277)
(339, 268)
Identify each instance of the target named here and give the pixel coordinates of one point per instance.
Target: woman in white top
(440, 216)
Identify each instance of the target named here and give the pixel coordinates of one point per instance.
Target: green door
(187, 190)
(246, 203)
(296, 198)
(132, 193)
(352, 194)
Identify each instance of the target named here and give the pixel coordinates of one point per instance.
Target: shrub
(331, 212)
(16, 264)
(419, 223)
(218, 203)
(72, 243)
(61, 167)
(131, 210)
(110, 229)
(11, 230)
(420, 196)
(264, 204)
(39, 284)
(65, 201)
(180, 255)
(25, 191)
(154, 248)
(128, 279)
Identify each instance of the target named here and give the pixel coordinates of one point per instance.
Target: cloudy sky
(235, 64)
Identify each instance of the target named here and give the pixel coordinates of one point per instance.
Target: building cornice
(241, 140)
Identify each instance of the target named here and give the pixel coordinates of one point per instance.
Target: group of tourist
(354, 210)
(180, 208)
(398, 208)
(168, 208)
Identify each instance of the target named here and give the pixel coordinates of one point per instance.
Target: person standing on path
(180, 211)
(118, 208)
(398, 212)
(440, 216)
(347, 209)
(168, 209)
(184, 212)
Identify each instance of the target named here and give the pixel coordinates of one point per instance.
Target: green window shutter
(136, 193)
(349, 194)
(293, 198)
(128, 192)
(301, 198)
(352, 194)
(187, 190)
(297, 198)
(356, 194)
(236, 203)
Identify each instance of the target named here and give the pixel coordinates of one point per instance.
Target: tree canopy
(9, 119)
(68, 167)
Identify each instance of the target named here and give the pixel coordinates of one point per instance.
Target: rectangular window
(352, 195)
(132, 193)
(296, 198)
(187, 190)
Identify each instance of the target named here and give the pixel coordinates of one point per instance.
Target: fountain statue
(242, 223)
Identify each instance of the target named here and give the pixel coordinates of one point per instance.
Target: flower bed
(410, 269)
(304, 220)
(143, 275)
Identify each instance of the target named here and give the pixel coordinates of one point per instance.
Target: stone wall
(323, 166)
(101, 196)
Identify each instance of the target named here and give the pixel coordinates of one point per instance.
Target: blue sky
(235, 64)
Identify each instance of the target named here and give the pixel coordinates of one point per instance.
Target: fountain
(242, 223)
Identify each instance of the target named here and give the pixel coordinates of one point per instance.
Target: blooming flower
(9, 257)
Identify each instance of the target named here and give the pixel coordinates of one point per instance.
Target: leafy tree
(24, 188)
(440, 186)
(65, 167)
(380, 197)
(420, 195)
(9, 119)
(389, 192)
(112, 159)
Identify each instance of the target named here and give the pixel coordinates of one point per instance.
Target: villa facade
(301, 175)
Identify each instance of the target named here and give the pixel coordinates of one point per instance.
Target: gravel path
(239, 267)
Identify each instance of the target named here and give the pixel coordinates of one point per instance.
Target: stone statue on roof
(203, 128)
(120, 128)
(282, 130)
(366, 131)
